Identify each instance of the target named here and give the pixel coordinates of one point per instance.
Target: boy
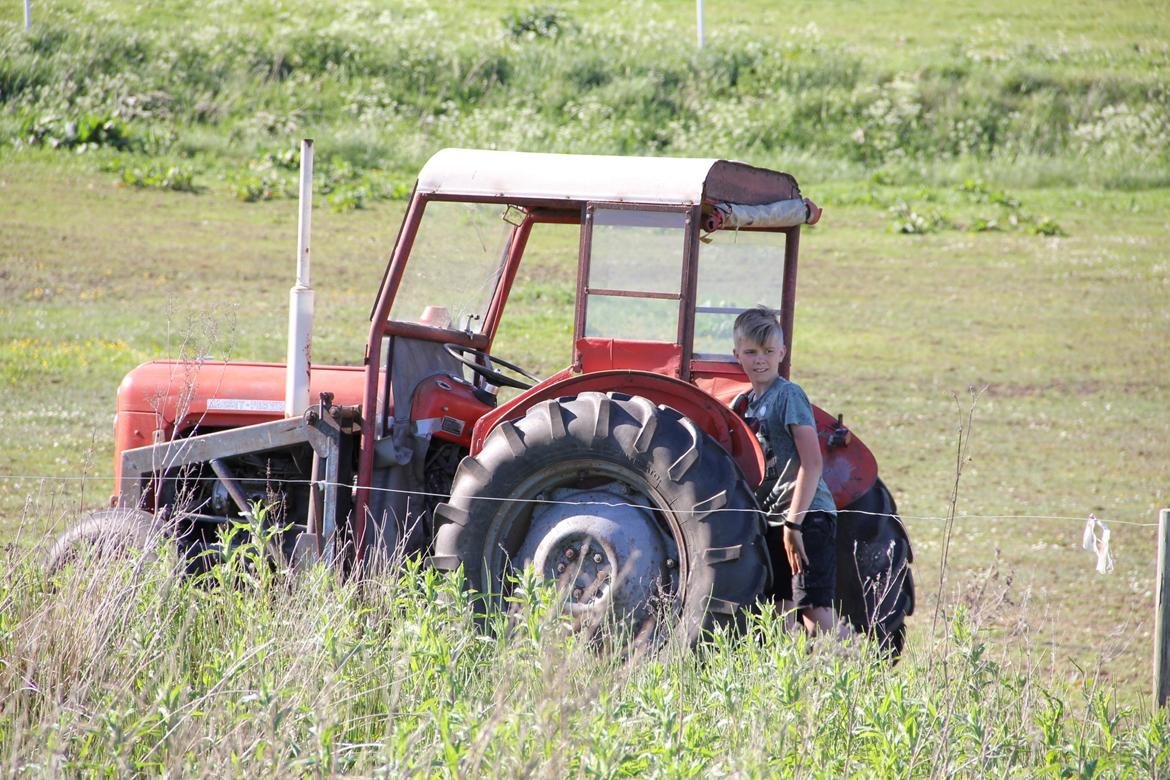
(792, 493)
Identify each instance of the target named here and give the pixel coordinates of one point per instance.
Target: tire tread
(634, 434)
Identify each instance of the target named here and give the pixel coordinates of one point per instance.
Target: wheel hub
(604, 549)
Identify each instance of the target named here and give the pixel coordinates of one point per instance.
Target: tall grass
(388, 86)
(123, 668)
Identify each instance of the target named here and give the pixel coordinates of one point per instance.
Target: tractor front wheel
(642, 519)
(105, 534)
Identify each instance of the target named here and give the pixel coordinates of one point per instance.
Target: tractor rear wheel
(642, 519)
(875, 586)
(105, 534)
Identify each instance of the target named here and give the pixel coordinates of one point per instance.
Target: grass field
(837, 88)
(1036, 267)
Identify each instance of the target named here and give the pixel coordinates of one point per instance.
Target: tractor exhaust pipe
(300, 300)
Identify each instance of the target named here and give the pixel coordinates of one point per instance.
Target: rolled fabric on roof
(779, 214)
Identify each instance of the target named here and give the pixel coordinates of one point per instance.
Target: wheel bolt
(576, 594)
(560, 568)
(597, 558)
(570, 553)
(671, 563)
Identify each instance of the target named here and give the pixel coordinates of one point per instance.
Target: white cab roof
(581, 177)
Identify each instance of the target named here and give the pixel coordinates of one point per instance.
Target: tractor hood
(164, 398)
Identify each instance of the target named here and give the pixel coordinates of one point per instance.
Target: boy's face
(761, 362)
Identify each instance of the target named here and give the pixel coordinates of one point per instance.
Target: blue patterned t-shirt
(770, 415)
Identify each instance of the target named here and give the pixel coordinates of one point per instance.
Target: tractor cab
(669, 252)
(654, 276)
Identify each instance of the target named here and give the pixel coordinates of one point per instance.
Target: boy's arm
(808, 447)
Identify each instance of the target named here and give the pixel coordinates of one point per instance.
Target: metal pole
(300, 300)
(699, 15)
(1162, 614)
(788, 294)
(27, 14)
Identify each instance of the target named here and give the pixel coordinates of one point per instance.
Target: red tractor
(626, 476)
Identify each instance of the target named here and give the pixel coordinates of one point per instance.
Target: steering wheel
(484, 368)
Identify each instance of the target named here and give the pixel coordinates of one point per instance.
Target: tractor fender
(716, 420)
(850, 469)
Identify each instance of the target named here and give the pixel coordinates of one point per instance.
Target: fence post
(27, 14)
(1162, 614)
(699, 20)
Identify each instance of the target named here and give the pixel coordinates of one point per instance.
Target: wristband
(792, 525)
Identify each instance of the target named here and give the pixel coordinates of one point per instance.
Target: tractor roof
(583, 177)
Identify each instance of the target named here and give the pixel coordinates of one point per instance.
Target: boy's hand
(794, 548)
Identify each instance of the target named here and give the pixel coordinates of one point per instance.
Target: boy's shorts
(817, 584)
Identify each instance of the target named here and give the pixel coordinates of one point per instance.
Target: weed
(287, 158)
(909, 221)
(347, 197)
(250, 187)
(1046, 226)
(914, 219)
(121, 667)
(538, 21)
(85, 133)
(180, 178)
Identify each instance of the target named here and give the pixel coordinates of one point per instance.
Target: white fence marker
(300, 300)
(27, 14)
(1162, 614)
(699, 15)
(1098, 545)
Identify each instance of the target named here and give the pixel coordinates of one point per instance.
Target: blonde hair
(758, 325)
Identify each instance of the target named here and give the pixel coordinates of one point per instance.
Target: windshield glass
(635, 274)
(738, 269)
(454, 266)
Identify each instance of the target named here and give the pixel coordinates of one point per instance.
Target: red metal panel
(450, 405)
(598, 354)
(723, 388)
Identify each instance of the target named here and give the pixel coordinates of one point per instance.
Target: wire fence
(1096, 536)
(322, 484)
